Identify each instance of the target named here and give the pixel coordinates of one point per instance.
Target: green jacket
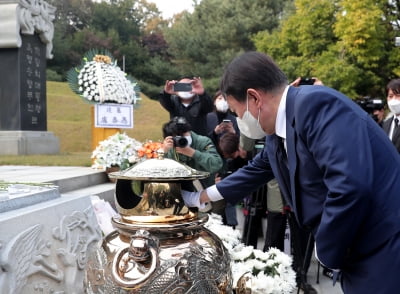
(206, 157)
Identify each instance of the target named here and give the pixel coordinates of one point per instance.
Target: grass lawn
(69, 118)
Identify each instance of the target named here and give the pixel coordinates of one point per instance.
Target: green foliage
(361, 31)
(150, 90)
(347, 44)
(202, 43)
(62, 159)
(118, 16)
(52, 75)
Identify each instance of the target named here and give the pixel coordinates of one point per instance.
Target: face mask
(249, 126)
(221, 106)
(185, 95)
(394, 106)
(189, 139)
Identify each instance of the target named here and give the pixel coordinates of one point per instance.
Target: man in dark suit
(391, 125)
(337, 170)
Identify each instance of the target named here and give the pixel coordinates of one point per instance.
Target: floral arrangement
(263, 272)
(149, 149)
(118, 150)
(99, 80)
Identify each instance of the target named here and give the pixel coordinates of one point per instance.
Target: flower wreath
(98, 79)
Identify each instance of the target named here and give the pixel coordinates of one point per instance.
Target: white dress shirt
(392, 126)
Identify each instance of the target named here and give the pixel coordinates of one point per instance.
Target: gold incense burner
(159, 245)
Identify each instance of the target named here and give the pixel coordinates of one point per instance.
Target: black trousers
(275, 234)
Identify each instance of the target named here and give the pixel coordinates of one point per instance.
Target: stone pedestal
(44, 246)
(25, 43)
(28, 142)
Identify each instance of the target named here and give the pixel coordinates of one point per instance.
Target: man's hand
(192, 199)
(169, 87)
(296, 82)
(188, 151)
(197, 86)
(168, 143)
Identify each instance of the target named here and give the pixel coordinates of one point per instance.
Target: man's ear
(255, 95)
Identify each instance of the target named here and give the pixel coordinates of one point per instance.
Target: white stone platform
(45, 243)
(75, 181)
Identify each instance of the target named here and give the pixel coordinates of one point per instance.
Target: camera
(180, 141)
(306, 81)
(224, 175)
(370, 105)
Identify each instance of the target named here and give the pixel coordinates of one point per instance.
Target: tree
(82, 25)
(73, 15)
(347, 44)
(203, 42)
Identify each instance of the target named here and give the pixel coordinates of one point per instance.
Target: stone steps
(70, 180)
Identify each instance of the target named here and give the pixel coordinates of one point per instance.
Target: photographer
(234, 158)
(375, 107)
(188, 98)
(187, 147)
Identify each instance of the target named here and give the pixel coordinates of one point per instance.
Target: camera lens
(180, 141)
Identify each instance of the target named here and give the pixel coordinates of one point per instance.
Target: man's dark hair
(394, 85)
(228, 143)
(176, 127)
(251, 70)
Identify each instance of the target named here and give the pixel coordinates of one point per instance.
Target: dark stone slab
(23, 86)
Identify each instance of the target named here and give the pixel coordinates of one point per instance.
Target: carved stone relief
(31, 261)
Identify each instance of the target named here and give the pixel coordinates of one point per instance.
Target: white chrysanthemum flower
(271, 272)
(265, 284)
(260, 254)
(115, 87)
(115, 151)
(238, 270)
(242, 253)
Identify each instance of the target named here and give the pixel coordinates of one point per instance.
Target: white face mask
(221, 105)
(185, 95)
(394, 106)
(250, 126)
(189, 139)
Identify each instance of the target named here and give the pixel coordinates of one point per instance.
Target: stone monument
(25, 44)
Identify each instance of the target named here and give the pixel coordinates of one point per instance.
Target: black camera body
(224, 175)
(370, 105)
(306, 81)
(180, 141)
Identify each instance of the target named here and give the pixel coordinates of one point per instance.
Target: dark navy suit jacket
(396, 136)
(344, 185)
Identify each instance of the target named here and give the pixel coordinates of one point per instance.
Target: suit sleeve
(325, 125)
(247, 179)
